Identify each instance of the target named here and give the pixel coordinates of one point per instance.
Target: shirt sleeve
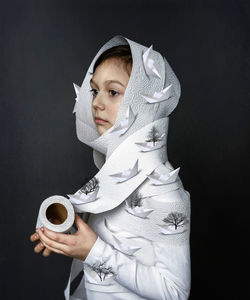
(168, 279)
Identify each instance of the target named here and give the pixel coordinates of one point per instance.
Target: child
(134, 240)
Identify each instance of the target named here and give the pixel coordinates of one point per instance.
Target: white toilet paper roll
(56, 213)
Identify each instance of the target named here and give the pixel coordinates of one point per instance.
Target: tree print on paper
(175, 219)
(135, 199)
(90, 186)
(153, 135)
(101, 270)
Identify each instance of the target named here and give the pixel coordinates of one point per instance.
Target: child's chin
(101, 130)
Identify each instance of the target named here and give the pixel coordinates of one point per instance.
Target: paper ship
(149, 63)
(159, 96)
(126, 174)
(139, 211)
(81, 198)
(150, 146)
(126, 123)
(77, 91)
(160, 179)
(170, 229)
(91, 276)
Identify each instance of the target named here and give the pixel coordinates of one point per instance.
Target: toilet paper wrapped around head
(152, 93)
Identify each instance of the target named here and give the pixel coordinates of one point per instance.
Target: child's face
(108, 85)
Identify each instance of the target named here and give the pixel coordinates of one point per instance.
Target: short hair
(122, 51)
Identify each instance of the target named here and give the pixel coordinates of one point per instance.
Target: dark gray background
(47, 45)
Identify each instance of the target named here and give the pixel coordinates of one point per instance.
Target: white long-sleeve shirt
(160, 269)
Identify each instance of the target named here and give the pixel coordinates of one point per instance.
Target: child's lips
(100, 121)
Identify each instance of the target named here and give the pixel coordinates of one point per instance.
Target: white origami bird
(123, 247)
(126, 123)
(149, 63)
(126, 174)
(159, 96)
(77, 91)
(161, 179)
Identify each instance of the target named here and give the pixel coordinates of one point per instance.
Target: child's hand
(75, 245)
(39, 247)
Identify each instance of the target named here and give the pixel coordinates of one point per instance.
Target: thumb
(79, 222)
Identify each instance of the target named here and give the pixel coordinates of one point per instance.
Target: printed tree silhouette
(135, 199)
(175, 218)
(101, 270)
(153, 135)
(90, 186)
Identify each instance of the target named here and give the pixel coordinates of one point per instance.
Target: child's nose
(98, 102)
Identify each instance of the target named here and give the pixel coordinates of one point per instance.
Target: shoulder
(161, 206)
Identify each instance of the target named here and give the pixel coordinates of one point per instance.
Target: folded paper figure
(123, 247)
(126, 174)
(126, 123)
(149, 63)
(160, 179)
(87, 193)
(159, 96)
(77, 90)
(175, 223)
(134, 206)
(154, 141)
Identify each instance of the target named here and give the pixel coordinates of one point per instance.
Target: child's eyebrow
(108, 81)
(114, 81)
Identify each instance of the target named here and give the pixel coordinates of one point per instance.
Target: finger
(79, 222)
(39, 247)
(61, 238)
(46, 252)
(51, 244)
(54, 249)
(34, 237)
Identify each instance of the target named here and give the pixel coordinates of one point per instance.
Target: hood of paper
(136, 145)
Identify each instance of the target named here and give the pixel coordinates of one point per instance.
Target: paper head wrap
(152, 93)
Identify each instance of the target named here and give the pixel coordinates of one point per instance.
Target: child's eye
(113, 93)
(94, 92)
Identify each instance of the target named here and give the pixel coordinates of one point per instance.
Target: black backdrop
(47, 45)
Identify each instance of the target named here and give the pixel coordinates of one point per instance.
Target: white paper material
(123, 247)
(126, 174)
(92, 277)
(160, 179)
(123, 234)
(170, 229)
(77, 91)
(139, 211)
(149, 63)
(80, 198)
(126, 123)
(42, 218)
(159, 96)
(150, 146)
